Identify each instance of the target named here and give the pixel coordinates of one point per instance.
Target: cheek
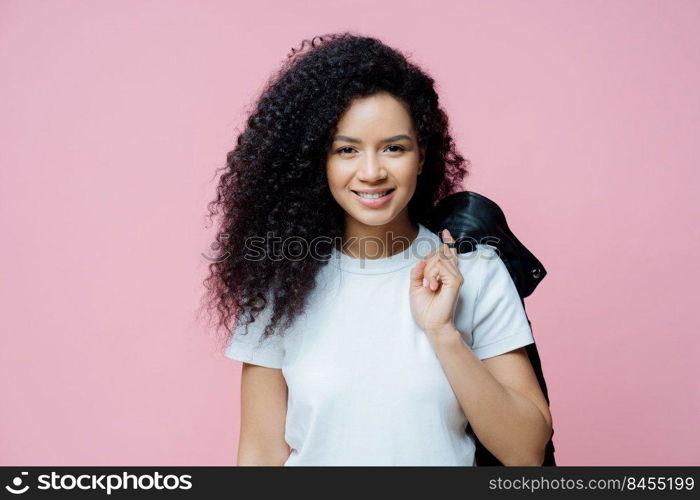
(409, 178)
(337, 177)
(331, 175)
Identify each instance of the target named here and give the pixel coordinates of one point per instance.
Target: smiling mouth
(372, 196)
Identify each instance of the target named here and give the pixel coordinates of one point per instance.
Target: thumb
(417, 274)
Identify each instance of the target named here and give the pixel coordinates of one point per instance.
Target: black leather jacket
(472, 218)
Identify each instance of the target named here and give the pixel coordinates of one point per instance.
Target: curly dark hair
(275, 183)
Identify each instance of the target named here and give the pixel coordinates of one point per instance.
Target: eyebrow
(388, 139)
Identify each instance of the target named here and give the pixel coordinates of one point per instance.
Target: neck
(363, 241)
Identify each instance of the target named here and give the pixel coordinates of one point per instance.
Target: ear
(422, 160)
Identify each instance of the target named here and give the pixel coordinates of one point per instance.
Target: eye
(348, 149)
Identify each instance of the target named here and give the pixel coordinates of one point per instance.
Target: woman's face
(374, 148)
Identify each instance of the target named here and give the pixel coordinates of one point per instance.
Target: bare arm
(263, 414)
(501, 398)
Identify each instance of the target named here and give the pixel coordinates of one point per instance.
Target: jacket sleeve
(499, 321)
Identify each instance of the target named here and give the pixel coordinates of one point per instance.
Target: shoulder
(480, 262)
(498, 320)
(248, 342)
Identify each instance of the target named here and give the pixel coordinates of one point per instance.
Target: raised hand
(434, 288)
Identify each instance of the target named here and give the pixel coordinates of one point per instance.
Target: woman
(365, 339)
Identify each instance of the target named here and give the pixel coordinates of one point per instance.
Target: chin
(373, 218)
(373, 221)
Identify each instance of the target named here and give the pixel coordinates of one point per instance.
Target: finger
(438, 273)
(450, 255)
(417, 274)
(432, 253)
(430, 275)
(441, 255)
(435, 282)
(447, 257)
(447, 238)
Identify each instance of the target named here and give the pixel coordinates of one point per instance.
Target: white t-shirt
(364, 384)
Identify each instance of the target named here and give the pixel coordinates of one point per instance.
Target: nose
(371, 170)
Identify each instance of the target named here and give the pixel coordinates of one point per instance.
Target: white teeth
(372, 196)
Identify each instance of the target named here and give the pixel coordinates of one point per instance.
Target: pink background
(580, 118)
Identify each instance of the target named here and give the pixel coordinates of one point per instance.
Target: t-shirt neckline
(423, 244)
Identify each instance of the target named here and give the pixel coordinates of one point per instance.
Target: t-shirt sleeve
(248, 347)
(499, 322)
